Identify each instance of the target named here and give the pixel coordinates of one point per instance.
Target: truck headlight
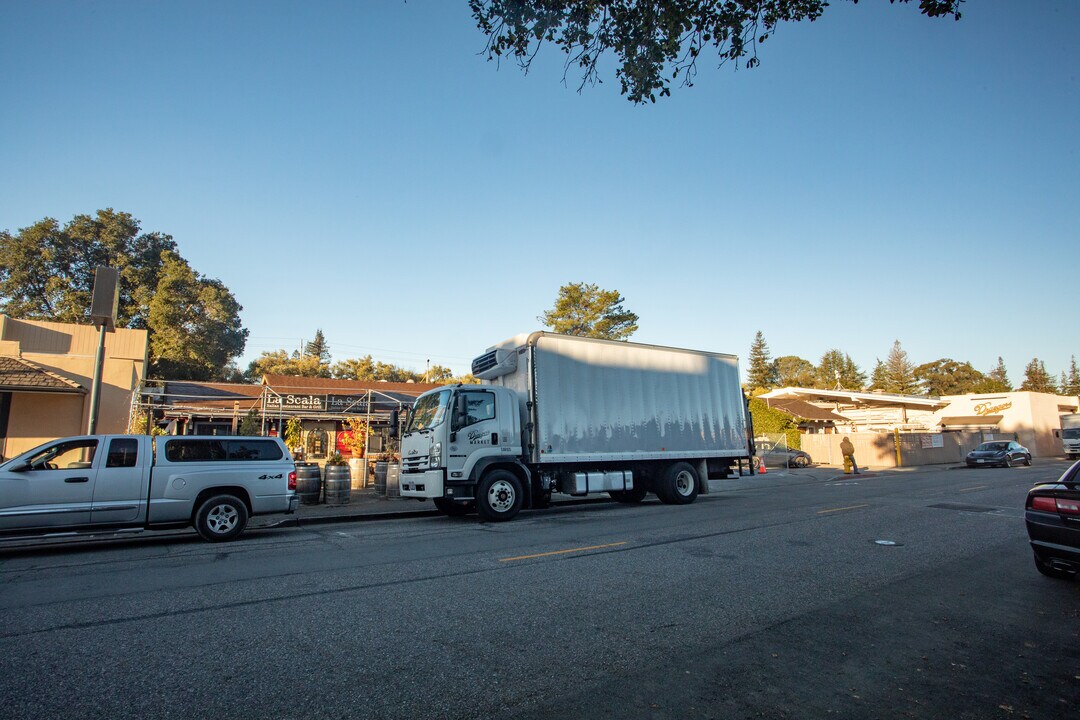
(435, 456)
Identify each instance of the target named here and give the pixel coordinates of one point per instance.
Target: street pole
(95, 388)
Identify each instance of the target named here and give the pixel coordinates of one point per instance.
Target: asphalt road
(771, 598)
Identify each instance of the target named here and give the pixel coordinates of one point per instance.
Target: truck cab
(454, 436)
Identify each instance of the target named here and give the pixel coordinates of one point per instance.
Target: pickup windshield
(429, 411)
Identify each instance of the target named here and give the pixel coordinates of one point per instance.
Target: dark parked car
(1052, 514)
(999, 452)
(777, 455)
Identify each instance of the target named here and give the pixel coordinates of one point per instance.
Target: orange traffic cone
(761, 470)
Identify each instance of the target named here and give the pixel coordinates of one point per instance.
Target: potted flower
(337, 484)
(354, 439)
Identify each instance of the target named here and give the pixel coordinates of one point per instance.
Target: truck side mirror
(394, 422)
(461, 409)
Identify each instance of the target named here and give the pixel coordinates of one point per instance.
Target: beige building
(46, 373)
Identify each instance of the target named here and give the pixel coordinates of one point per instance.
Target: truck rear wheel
(221, 517)
(498, 496)
(679, 485)
(453, 508)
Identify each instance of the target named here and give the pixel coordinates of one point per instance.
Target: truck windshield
(1071, 433)
(429, 411)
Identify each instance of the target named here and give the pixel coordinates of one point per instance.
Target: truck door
(53, 488)
(477, 430)
(120, 494)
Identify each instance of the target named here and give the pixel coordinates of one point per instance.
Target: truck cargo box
(606, 400)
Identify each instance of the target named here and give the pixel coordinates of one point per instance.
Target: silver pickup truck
(97, 483)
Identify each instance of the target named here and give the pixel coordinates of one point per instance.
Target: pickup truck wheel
(679, 484)
(453, 508)
(498, 496)
(222, 517)
(630, 497)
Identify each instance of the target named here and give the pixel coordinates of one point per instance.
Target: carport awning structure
(18, 375)
(963, 422)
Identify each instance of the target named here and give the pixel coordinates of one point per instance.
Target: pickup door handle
(77, 479)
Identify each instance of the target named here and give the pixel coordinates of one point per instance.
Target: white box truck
(575, 415)
(1070, 435)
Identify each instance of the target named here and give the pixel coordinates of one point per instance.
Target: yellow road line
(977, 487)
(561, 552)
(849, 507)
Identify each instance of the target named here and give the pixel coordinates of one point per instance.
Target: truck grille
(414, 465)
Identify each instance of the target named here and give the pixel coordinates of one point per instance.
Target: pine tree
(760, 373)
(1036, 379)
(879, 379)
(838, 371)
(996, 381)
(318, 348)
(899, 371)
(1070, 383)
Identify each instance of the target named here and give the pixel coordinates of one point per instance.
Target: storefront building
(323, 407)
(46, 374)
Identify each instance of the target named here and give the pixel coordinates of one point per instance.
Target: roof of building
(805, 410)
(19, 375)
(857, 399)
(330, 385)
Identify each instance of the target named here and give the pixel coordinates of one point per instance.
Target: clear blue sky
(361, 168)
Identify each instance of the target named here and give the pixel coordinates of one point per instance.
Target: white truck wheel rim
(500, 496)
(222, 519)
(684, 483)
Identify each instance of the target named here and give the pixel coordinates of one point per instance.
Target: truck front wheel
(678, 485)
(222, 517)
(498, 496)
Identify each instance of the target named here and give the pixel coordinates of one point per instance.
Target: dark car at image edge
(1052, 515)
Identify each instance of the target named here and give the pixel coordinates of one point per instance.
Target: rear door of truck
(120, 495)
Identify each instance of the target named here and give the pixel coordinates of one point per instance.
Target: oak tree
(655, 43)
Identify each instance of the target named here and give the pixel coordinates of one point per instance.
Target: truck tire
(221, 517)
(678, 485)
(630, 497)
(454, 508)
(499, 496)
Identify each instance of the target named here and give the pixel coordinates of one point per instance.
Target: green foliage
(995, 381)
(1070, 381)
(47, 273)
(336, 459)
(759, 374)
(195, 324)
(793, 371)
(294, 433)
(1036, 379)
(949, 377)
(837, 369)
(279, 362)
(771, 421)
(655, 43)
(251, 424)
(318, 348)
(586, 310)
(896, 374)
